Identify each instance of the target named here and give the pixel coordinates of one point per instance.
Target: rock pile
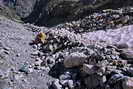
(76, 65)
(101, 20)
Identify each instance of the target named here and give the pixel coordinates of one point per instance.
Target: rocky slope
(93, 52)
(15, 56)
(98, 60)
(66, 56)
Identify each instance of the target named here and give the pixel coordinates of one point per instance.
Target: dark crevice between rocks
(57, 70)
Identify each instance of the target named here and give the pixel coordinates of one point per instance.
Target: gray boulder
(74, 60)
(91, 69)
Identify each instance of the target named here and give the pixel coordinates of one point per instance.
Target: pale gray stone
(74, 60)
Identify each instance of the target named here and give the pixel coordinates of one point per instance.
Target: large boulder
(74, 60)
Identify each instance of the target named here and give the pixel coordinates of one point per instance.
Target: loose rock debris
(76, 56)
(79, 66)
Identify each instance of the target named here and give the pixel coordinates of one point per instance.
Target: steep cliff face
(53, 12)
